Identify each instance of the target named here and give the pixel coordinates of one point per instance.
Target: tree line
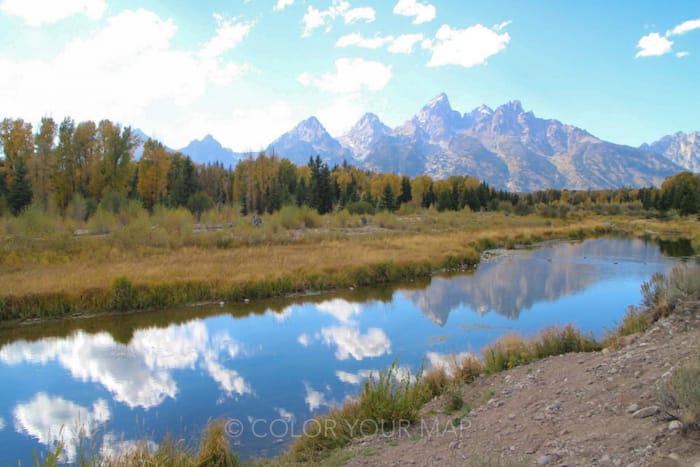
(79, 166)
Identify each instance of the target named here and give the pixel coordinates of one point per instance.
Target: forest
(73, 169)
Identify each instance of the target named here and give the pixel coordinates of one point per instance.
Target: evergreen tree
(388, 201)
(182, 181)
(428, 197)
(321, 191)
(405, 195)
(20, 193)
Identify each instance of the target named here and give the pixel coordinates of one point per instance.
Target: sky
(247, 71)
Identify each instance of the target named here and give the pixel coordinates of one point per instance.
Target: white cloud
(366, 14)
(466, 47)
(354, 378)
(282, 4)
(684, 27)
(682, 54)
(351, 75)
(653, 45)
(404, 43)
(340, 309)
(314, 399)
(2, 423)
(244, 128)
(229, 34)
(137, 374)
(304, 340)
(501, 26)
(39, 12)
(315, 18)
(350, 343)
(284, 414)
(53, 419)
(121, 72)
(342, 113)
(356, 39)
(423, 12)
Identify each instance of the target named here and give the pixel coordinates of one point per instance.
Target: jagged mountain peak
(209, 150)
(512, 107)
(680, 147)
(369, 120)
(310, 130)
(440, 100)
(367, 131)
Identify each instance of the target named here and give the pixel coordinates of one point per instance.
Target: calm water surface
(273, 366)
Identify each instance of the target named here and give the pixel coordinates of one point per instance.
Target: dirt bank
(577, 409)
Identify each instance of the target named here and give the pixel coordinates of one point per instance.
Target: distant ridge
(508, 147)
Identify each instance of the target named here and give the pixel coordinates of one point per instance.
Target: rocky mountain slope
(508, 147)
(681, 148)
(208, 150)
(309, 138)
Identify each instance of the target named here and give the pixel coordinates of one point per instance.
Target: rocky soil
(597, 409)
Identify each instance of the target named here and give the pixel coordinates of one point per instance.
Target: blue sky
(247, 71)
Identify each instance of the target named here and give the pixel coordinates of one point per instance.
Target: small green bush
(679, 397)
(122, 293)
(635, 321)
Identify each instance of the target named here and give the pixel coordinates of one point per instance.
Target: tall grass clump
(634, 321)
(214, 447)
(389, 401)
(512, 350)
(661, 294)
(122, 293)
(391, 397)
(679, 396)
(293, 217)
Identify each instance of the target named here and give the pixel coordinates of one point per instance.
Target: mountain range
(508, 147)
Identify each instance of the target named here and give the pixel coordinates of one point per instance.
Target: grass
(679, 396)
(214, 450)
(513, 350)
(42, 279)
(387, 402)
(661, 295)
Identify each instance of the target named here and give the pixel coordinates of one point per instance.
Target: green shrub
(122, 293)
(360, 208)
(679, 396)
(102, 222)
(654, 291)
(293, 217)
(113, 202)
(436, 380)
(635, 321)
(454, 400)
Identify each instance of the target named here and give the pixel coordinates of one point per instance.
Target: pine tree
(405, 196)
(388, 201)
(20, 193)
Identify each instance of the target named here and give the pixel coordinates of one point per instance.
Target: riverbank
(598, 408)
(100, 276)
(636, 402)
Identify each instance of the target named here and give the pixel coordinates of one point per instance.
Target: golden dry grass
(95, 264)
(188, 264)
